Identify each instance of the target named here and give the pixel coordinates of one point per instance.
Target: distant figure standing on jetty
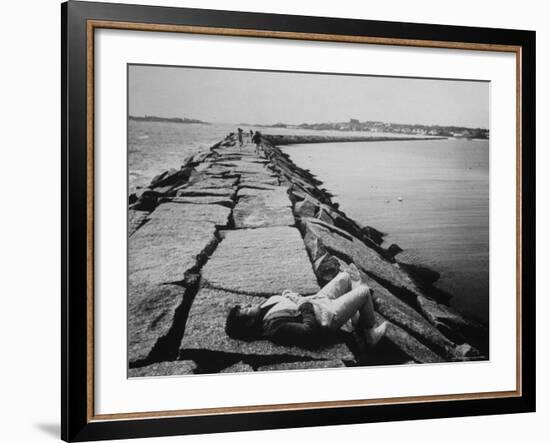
(293, 320)
(257, 140)
(251, 134)
(240, 136)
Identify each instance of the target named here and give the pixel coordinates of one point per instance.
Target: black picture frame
(77, 424)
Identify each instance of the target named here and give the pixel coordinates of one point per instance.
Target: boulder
(404, 316)
(306, 208)
(393, 250)
(324, 216)
(161, 176)
(316, 194)
(255, 209)
(263, 261)
(147, 201)
(237, 367)
(326, 268)
(315, 249)
(135, 220)
(171, 178)
(374, 234)
(151, 310)
(454, 325)
(205, 331)
(350, 249)
(414, 267)
(420, 273)
(199, 157)
(165, 368)
(406, 343)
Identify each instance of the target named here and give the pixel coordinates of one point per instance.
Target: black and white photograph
(275, 221)
(305, 220)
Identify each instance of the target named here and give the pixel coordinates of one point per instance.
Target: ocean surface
(154, 147)
(430, 197)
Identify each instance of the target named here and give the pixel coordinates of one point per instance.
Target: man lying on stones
(290, 319)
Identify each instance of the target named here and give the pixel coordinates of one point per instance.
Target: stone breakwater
(288, 139)
(234, 227)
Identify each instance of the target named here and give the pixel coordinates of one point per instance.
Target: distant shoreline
(152, 118)
(354, 125)
(287, 139)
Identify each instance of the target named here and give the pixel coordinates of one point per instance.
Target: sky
(267, 97)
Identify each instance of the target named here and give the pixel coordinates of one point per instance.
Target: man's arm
(304, 333)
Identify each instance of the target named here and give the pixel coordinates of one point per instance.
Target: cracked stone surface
(151, 311)
(263, 261)
(159, 254)
(203, 200)
(165, 368)
(262, 208)
(205, 330)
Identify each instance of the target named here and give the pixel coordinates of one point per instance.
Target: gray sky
(235, 96)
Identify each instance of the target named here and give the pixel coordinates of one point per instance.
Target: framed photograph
(276, 221)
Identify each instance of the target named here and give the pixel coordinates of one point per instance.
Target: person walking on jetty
(257, 140)
(293, 320)
(240, 137)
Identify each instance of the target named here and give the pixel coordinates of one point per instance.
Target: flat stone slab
(258, 180)
(165, 368)
(257, 186)
(151, 311)
(211, 182)
(263, 261)
(205, 330)
(168, 245)
(312, 364)
(203, 200)
(264, 208)
(162, 252)
(243, 166)
(173, 213)
(159, 254)
(206, 192)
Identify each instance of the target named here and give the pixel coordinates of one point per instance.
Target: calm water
(154, 147)
(431, 197)
(442, 220)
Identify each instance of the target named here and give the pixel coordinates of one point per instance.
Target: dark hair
(242, 327)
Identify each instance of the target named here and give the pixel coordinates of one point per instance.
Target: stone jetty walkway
(234, 227)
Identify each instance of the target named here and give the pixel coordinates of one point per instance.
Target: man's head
(244, 322)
